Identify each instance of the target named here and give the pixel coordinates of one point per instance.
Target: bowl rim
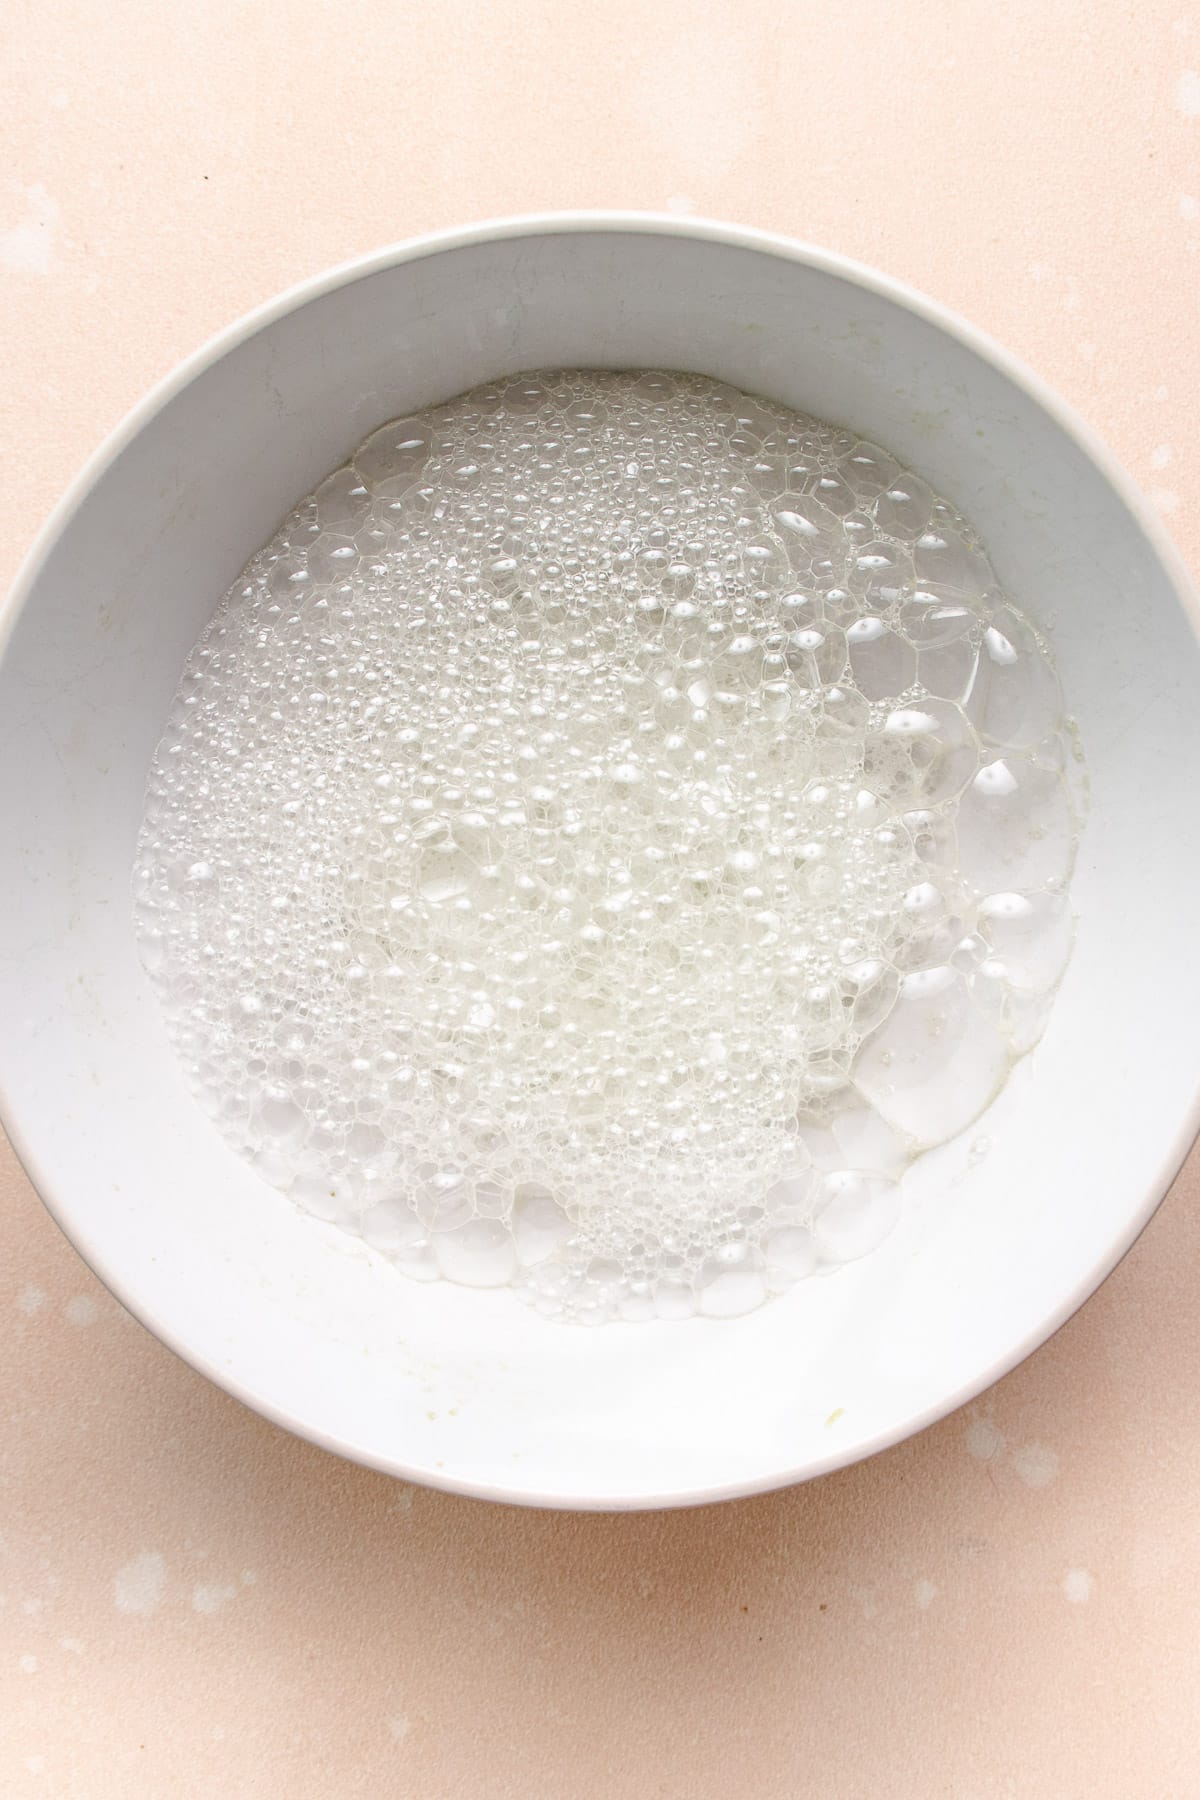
(649, 224)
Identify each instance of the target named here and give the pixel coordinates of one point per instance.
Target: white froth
(612, 826)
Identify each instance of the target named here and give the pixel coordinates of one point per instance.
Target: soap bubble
(613, 826)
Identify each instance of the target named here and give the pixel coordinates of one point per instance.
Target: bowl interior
(1006, 1230)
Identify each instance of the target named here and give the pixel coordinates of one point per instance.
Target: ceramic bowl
(1005, 1231)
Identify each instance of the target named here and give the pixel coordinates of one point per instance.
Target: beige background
(190, 1602)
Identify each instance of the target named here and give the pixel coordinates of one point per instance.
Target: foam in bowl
(610, 830)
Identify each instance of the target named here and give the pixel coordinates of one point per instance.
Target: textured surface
(588, 874)
(194, 1603)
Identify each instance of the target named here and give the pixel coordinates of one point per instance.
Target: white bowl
(1006, 1231)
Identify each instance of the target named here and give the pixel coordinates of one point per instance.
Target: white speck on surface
(402, 1501)
(60, 99)
(82, 1310)
(1165, 499)
(29, 1664)
(248, 1577)
(138, 1587)
(1189, 206)
(35, 1764)
(73, 1644)
(1077, 1586)
(1035, 1464)
(1187, 94)
(211, 1597)
(33, 1604)
(681, 203)
(925, 1593)
(27, 248)
(984, 1440)
(399, 1727)
(1160, 456)
(30, 1300)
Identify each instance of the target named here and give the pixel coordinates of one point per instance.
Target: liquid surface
(612, 827)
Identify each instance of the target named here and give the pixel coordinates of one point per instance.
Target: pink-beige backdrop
(191, 1603)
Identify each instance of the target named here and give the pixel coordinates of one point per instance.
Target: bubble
(948, 669)
(903, 510)
(1015, 697)
(342, 500)
(789, 1255)
(384, 1210)
(613, 826)
(733, 1280)
(869, 470)
(1030, 937)
(480, 1253)
(882, 663)
(856, 1211)
(1015, 826)
(539, 1225)
(393, 458)
(935, 1063)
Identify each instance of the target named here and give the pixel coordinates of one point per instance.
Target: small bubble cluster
(612, 827)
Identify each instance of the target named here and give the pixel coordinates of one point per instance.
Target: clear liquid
(610, 830)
